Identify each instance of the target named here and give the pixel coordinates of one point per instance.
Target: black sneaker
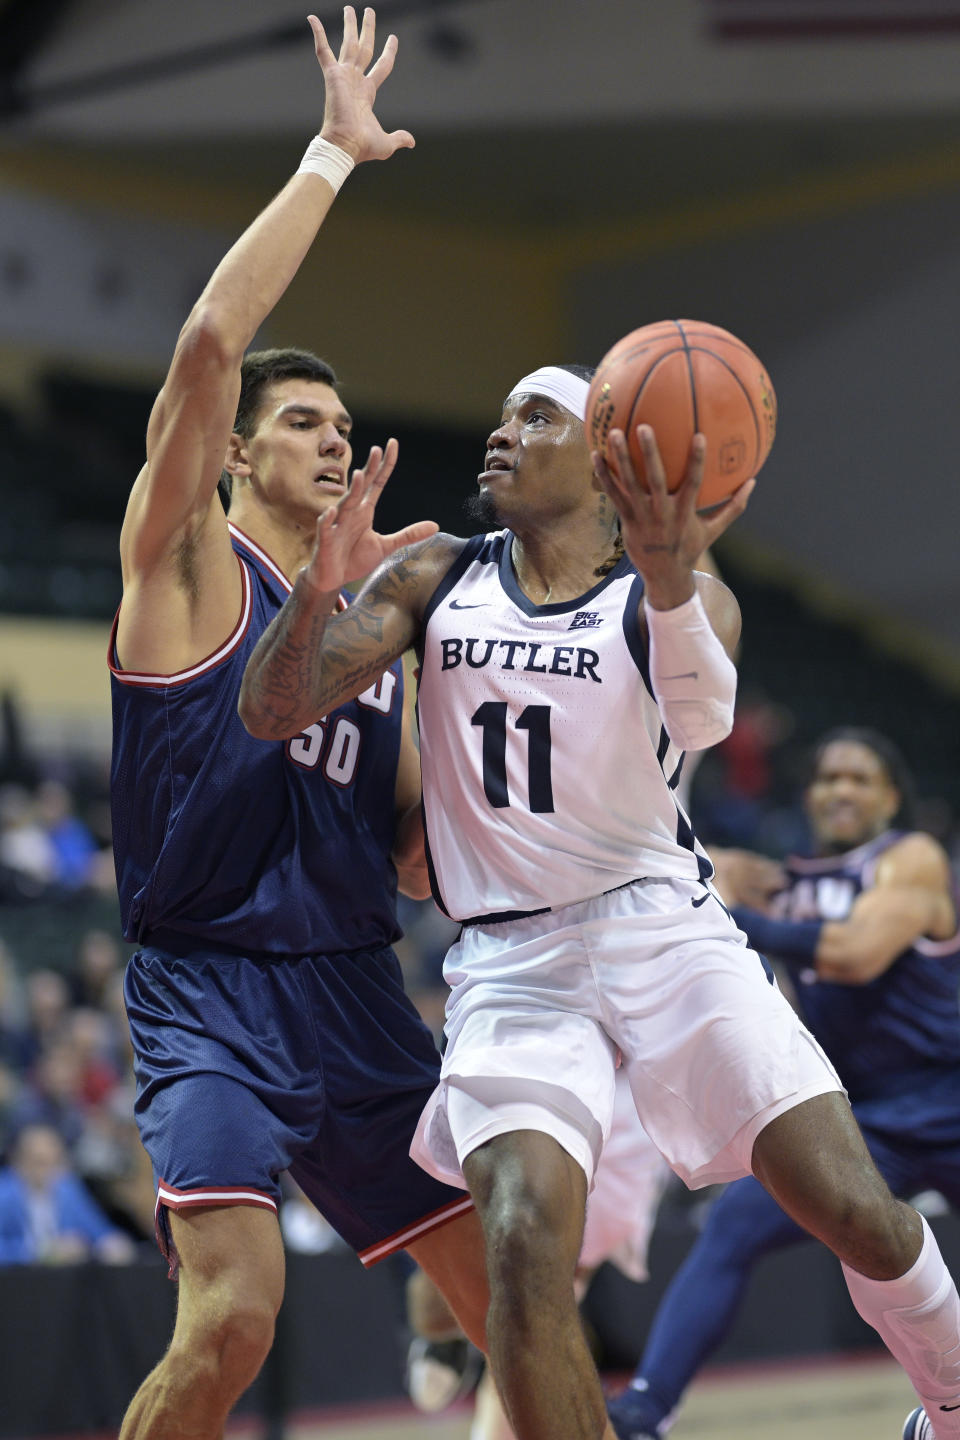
(626, 1412)
(441, 1371)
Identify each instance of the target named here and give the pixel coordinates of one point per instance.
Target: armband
(692, 676)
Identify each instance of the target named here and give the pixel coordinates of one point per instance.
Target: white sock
(918, 1318)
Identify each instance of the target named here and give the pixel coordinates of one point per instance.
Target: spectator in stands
(48, 1004)
(52, 1095)
(95, 1045)
(97, 962)
(26, 853)
(72, 849)
(46, 1213)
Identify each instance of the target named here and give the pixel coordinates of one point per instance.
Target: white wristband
(329, 161)
(693, 679)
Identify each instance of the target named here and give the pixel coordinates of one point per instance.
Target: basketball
(681, 377)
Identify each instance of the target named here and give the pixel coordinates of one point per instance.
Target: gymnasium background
(789, 169)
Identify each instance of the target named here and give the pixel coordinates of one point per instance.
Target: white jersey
(548, 777)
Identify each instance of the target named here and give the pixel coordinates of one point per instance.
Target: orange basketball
(680, 377)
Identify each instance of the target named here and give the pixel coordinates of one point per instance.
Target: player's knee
(869, 1229)
(525, 1249)
(247, 1335)
(886, 1236)
(229, 1337)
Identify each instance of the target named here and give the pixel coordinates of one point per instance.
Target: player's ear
(236, 461)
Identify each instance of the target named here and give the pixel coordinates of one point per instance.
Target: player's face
(537, 461)
(300, 452)
(851, 798)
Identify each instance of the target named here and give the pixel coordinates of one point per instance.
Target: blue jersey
(254, 847)
(900, 1032)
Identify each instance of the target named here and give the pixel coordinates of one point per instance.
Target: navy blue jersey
(898, 1032)
(232, 843)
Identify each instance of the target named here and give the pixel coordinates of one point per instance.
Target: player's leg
(531, 1197)
(524, 1103)
(814, 1161)
(700, 1302)
(231, 1274)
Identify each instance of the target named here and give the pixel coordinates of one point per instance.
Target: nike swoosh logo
(950, 1407)
(456, 605)
(687, 675)
(702, 901)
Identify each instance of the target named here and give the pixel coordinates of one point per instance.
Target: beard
(481, 508)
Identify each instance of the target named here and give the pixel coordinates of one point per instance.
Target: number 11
(535, 719)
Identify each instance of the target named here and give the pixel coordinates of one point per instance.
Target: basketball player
(266, 1007)
(868, 930)
(567, 662)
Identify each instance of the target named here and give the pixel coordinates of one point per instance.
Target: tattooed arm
(308, 660)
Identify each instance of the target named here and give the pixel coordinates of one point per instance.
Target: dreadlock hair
(260, 369)
(890, 757)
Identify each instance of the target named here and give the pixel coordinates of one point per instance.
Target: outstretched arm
(173, 504)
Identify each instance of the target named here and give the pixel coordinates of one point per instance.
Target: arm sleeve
(692, 676)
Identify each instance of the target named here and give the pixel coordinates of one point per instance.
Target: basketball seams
(691, 377)
(654, 367)
(637, 380)
(758, 433)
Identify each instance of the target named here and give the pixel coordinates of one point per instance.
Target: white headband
(556, 384)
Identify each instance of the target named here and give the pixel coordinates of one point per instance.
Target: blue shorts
(319, 1065)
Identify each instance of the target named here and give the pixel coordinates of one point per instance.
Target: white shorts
(657, 969)
(622, 1206)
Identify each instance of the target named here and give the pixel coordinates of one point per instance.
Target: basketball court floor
(841, 1399)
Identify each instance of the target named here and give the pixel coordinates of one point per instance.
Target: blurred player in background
(868, 931)
(266, 1007)
(567, 663)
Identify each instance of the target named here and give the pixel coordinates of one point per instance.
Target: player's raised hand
(351, 83)
(347, 547)
(663, 532)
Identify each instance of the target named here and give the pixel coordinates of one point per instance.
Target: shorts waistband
(500, 917)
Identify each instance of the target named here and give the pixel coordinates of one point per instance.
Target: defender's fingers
(361, 480)
(368, 36)
(410, 534)
(324, 527)
(320, 42)
(378, 469)
(350, 42)
(384, 65)
(401, 140)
